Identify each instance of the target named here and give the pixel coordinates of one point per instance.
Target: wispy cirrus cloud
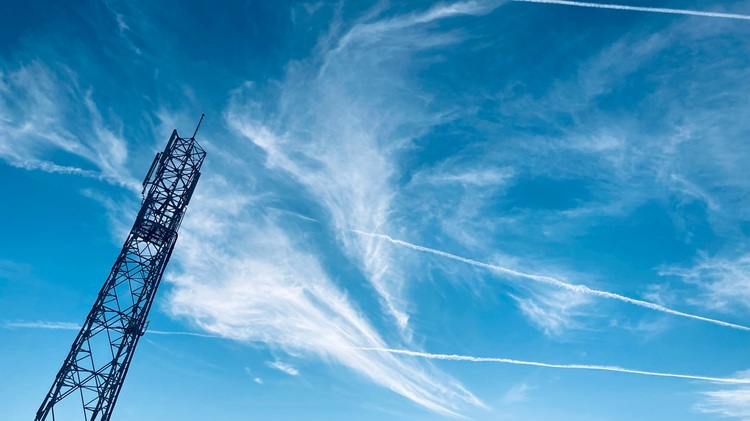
(729, 402)
(338, 121)
(375, 32)
(723, 283)
(581, 126)
(243, 277)
(43, 116)
(686, 156)
(554, 312)
(283, 367)
(240, 275)
(473, 177)
(595, 126)
(517, 393)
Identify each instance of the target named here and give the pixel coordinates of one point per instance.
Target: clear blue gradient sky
(508, 149)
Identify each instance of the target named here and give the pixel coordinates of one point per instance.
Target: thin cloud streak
(613, 368)
(283, 367)
(641, 9)
(555, 282)
(372, 31)
(52, 168)
(73, 326)
(199, 335)
(41, 325)
(295, 214)
(451, 357)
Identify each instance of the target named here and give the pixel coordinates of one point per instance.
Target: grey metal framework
(100, 356)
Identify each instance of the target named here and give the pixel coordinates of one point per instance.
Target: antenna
(199, 126)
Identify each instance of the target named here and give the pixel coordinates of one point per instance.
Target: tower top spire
(199, 125)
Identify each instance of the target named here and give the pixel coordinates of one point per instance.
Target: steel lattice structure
(100, 356)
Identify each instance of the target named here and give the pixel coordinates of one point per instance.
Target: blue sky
(523, 181)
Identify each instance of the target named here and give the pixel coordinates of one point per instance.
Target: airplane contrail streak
(454, 357)
(553, 281)
(641, 9)
(449, 357)
(200, 335)
(72, 326)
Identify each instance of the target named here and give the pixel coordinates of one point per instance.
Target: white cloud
(42, 117)
(628, 157)
(336, 124)
(673, 146)
(242, 277)
(471, 177)
(255, 379)
(517, 393)
(283, 367)
(378, 31)
(338, 121)
(729, 402)
(724, 282)
(553, 311)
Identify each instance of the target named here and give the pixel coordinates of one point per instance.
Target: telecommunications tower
(95, 368)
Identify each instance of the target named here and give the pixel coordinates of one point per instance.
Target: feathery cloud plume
(243, 277)
(317, 125)
(36, 102)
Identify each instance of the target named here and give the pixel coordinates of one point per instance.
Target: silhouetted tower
(101, 353)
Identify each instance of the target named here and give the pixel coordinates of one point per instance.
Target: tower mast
(100, 356)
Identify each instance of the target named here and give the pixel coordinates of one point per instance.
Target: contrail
(450, 357)
(200, 335)
(42, 325)
(641, 9)
(553, 281)
(74, 326)
(454, 357)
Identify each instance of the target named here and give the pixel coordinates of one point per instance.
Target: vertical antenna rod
(95, 368)
(199, 126)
